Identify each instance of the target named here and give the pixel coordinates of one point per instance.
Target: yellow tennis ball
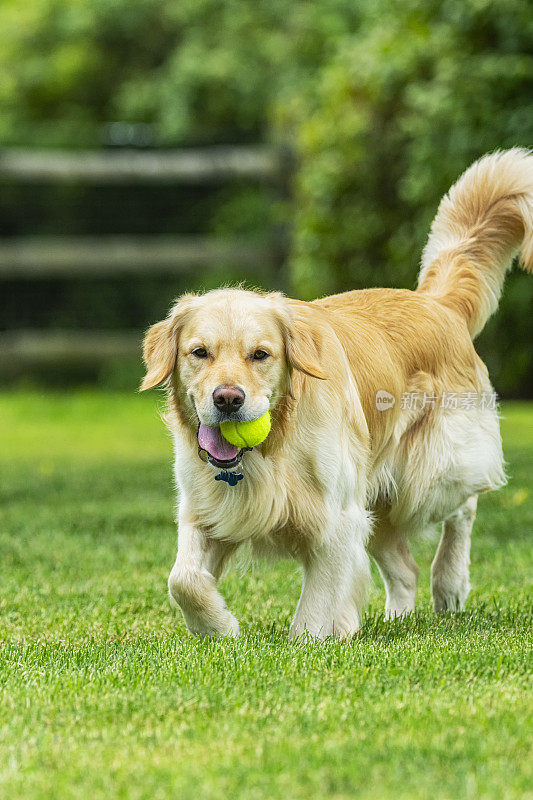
(246, 434)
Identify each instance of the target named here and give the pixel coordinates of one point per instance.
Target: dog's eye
(200, 352)
(260, 355)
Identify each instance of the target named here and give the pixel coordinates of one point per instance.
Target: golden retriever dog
(383, 419)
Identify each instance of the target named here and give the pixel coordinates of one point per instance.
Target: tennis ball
(246, 434)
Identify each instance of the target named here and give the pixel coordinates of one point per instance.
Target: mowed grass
(105, 695)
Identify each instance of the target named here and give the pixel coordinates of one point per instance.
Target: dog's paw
(448, 596)
(213, 628)
(341, 628)
(397, 612)
(232, 629)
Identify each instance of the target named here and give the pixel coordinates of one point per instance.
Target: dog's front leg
(192, 582)
(336, 579)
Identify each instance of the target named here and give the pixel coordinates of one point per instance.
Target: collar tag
(230, 477)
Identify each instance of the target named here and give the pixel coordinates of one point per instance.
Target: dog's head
(229, 353)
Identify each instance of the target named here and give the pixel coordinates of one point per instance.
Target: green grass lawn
(105, 695)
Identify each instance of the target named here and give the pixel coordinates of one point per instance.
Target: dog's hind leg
(397, 567)
(450, 571)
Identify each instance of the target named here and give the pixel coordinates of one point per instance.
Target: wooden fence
(111, 255)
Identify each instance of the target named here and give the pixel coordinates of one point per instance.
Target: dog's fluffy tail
(482, 223)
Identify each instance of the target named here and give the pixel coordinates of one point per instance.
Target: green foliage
(197, 70)
(103, 694)
(405, 105)
(420, 92)
(384, 103)
(65, 65)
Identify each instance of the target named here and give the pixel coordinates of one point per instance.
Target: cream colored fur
(340, 476)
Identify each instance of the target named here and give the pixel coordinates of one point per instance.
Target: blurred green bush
(198, 71)
(383, 103)
(405, 105)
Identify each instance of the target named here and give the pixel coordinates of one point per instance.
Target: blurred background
(149, 147)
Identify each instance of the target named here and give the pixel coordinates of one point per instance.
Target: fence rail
(34, 258)
(21, 349)
(55, 256)
(142, 166)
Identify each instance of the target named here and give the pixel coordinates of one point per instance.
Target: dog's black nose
(228, 398)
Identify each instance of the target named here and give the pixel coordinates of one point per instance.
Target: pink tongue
(211, 439)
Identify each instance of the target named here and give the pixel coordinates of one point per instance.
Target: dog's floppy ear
(159, 354)
(302, 331)
(160, 346)
(304, 348)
